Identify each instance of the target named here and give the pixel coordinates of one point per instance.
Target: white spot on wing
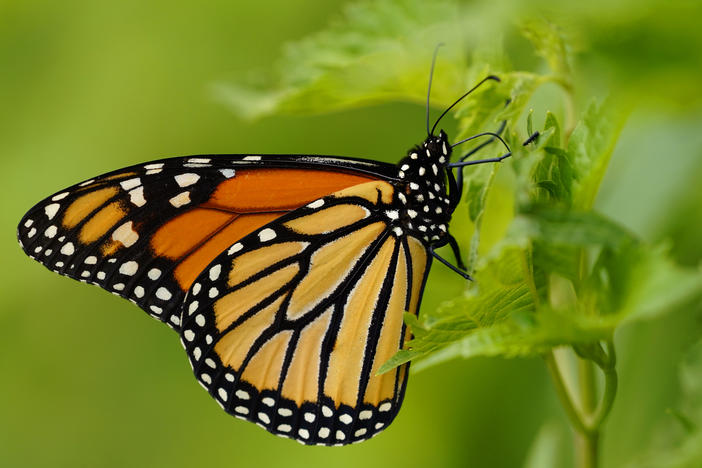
(252, 158)
(235, 248)
(228, 173)
(136, 196)
(59, 196)
(154, 274)
(50, 232)
(163, 294)
(266, 234)
(316, 203)
(68, 249)
(125, 234)
(51, 210)
(130, 183)
(181, 199)
(187, 179)
(215, 271)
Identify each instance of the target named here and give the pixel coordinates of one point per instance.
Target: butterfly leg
(459, 175)
(449, 264)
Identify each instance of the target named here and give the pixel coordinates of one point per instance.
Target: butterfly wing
(288, 327)
(147, 231)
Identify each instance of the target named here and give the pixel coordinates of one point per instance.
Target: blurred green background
(87, 379)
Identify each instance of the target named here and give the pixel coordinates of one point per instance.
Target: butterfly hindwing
(288, 327)
(145, 232)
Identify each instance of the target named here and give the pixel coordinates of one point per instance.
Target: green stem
(587, 441)
(564, 395)
(588, 416)
(610, 390)
(587, 446)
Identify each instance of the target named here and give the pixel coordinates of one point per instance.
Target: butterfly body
(426, 202)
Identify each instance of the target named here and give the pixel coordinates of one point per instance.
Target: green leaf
(590, 148)
(638, 282)
(554, 174)
(530, 122)
(554, 140)
(525, 306)
(558, 227)
(505, 100)
(377, 51)
(550, 43)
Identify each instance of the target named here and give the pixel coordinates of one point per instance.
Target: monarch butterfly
(286, 276)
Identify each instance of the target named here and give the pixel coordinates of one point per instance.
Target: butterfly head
(438, 148)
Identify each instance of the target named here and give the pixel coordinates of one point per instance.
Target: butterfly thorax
(422, 193)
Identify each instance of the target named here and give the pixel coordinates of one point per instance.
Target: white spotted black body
(424, 193)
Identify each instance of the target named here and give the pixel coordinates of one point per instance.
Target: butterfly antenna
(489, 77)
(431, 75)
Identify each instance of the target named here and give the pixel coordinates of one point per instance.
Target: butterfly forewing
(147, 231)
(288, 327)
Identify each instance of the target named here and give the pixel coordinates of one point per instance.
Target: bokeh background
(87, 379)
